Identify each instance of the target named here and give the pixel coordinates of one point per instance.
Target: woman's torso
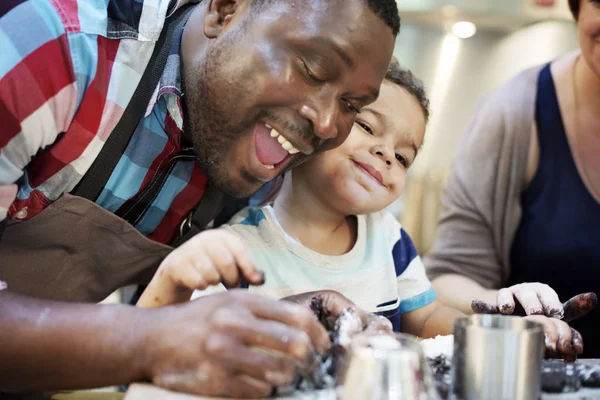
(558, 239)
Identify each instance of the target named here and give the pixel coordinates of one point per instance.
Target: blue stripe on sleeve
(418, 301)
(404, 252)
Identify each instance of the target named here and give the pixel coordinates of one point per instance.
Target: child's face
(368, 171)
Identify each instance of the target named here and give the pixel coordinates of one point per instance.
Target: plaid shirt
(68, 70)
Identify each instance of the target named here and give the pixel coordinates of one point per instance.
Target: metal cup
(496, 358)
(385, 367)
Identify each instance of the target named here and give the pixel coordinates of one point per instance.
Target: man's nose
(323, 115)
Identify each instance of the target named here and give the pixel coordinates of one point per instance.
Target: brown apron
(75, 250)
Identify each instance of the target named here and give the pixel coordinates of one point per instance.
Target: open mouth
(272, 148)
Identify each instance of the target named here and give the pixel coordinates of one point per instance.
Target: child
(327, 229)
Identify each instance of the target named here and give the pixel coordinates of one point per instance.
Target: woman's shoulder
(502, 122)
(517, 95)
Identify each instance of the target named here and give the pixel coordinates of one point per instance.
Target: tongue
(268, 149)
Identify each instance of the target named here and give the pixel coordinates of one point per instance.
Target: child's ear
(219, 14)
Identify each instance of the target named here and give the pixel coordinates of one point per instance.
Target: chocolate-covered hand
(232, 344)
(328, 306)
(579, 305)
(536, 299)
(561, 340)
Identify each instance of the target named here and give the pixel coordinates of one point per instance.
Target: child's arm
(205, 260)
(431, 320)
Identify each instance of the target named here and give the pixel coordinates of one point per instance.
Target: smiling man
(121, 118)
(273, 94)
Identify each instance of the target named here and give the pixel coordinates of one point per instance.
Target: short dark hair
(407, 80)
(574, 5)
(387, 10)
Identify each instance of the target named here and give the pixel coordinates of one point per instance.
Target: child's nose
(384, 157)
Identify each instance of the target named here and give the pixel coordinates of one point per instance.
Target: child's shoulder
(383, 223)
(383, 226)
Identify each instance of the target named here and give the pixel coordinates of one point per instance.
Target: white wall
(458, 73)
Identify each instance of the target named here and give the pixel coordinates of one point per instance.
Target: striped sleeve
(414, 288)
(39, 85)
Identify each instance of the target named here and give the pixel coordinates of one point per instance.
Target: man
(239, 69)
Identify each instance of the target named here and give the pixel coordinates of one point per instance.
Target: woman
(523, 202)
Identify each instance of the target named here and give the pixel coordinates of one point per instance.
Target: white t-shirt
(382, 273)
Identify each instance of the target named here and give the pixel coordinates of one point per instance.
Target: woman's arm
(481, 208)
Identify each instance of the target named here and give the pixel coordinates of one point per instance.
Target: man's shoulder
(118, 19)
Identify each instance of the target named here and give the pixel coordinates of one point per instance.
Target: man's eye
(365, 127)
(350, 107)
(311, 74)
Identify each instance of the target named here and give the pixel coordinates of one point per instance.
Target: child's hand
(207, 259)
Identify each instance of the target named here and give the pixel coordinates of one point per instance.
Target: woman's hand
(561, 340)
(536, 299)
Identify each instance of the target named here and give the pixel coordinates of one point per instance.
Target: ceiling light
(464, 29)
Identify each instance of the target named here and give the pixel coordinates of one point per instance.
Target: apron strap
(212, 202)
(93, 182)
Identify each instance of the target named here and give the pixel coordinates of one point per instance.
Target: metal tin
(497, 358)
(385, 367)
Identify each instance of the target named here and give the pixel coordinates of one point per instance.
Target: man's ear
(219, 14)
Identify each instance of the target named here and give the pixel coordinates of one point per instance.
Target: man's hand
(233, 344)
(207, 259)
(536, 299)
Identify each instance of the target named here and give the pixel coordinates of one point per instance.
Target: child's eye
(402, 160)
(365, 127)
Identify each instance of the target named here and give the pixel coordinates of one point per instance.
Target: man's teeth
(284, 142)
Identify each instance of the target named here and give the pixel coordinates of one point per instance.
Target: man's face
(278, 84)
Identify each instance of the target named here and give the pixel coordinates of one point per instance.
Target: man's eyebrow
(325, 41)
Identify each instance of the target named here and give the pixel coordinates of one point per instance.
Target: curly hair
(407, 80)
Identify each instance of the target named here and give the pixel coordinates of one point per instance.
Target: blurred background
(462, 50)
